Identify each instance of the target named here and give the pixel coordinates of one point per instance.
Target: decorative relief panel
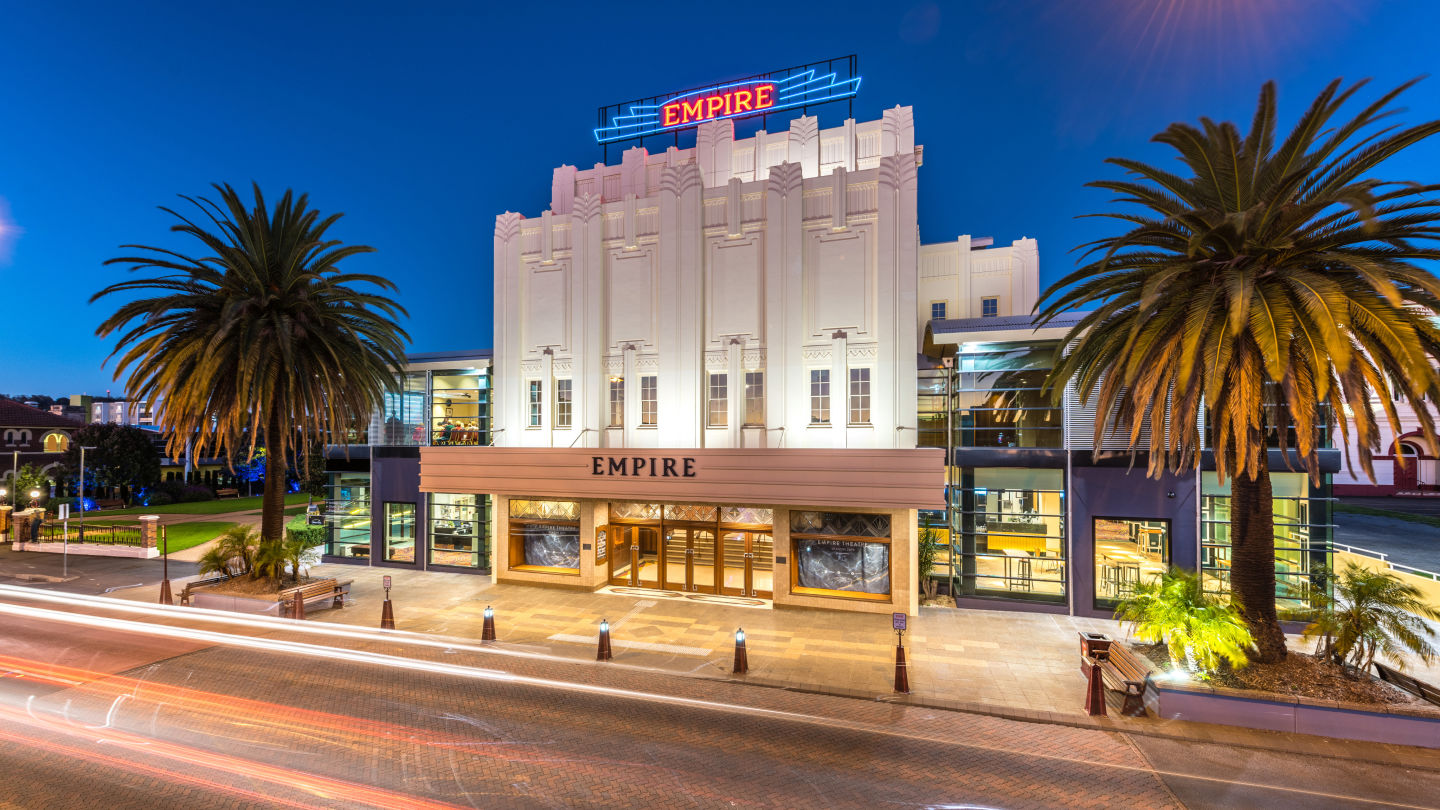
(614, 365)
(736, 288)
(704, 514)
(634, 511)
(630, 295)
(839, 273)
(507, 225)
(840, 524)
(544, 510)
(546, 304)
(816, 355)
(867, 352)
(649, 362)
(562, 366)
(716, 361)
(747, 515)
(752, 359)
(530, 367)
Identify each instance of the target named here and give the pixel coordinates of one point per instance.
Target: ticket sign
(387, 582)
(898, 619)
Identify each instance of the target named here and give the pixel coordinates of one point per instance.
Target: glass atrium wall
(1008, 535)
(347, 501)
(994, 398)
(1303, 530)
(459, 407)
(402, 419)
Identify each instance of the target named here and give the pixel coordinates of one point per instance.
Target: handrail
(1385, 558)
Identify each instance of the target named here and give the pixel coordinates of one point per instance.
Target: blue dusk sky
(422, 121)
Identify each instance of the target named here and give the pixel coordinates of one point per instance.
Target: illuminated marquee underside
(735, 100)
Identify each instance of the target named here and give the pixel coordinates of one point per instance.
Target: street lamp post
(81, 500)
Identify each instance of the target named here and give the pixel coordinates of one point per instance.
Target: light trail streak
(349, 793)
(380, 659)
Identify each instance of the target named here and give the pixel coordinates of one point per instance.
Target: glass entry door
(689, 559)
(634, 556)
(747, 564)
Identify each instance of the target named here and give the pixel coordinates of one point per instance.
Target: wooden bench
(1416, 687)
(185, 593)
(227, 493)
(1122, 672)
(314, 592)
(110, 503)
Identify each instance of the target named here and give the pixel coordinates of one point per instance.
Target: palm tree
(1275, 287)
(258, 340)
(1372, 612)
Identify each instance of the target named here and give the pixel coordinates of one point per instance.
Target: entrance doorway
(1407, 466)
(691, 557)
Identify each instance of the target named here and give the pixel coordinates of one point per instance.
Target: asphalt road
(98, 711)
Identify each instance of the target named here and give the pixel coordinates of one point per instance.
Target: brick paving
(999, 659)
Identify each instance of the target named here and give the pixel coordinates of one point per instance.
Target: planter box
(1271, 712)
(206, 597)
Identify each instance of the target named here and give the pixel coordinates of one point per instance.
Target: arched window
(56, 442)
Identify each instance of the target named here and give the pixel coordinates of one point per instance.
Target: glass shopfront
(1008, 537)
(347, 502)
(458, 530)
(1128, 552)
(690, 548)
(545, 536)
(399, 532)
(842, 554)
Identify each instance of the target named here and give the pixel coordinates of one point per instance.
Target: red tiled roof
(18, 414)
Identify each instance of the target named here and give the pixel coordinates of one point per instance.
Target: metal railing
(1385, 558)
(113, 535)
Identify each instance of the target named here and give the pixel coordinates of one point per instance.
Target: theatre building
(733, 369)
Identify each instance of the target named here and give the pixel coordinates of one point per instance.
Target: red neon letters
(748, 99)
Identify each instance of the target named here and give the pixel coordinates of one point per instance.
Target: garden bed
(1365, 709)
(1300, 675)
(245, 595)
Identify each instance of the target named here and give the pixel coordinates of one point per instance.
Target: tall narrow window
(989, 307)
(937, 310)
(820, 396)
(649, 400)
(719, 401)
(859, 396)
(536, 392)
(617, 402)
(564, 403)
(755, 398)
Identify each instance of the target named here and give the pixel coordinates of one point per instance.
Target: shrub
(300, 531)
(196, 492)
(159, 499)
(1198, 629)
(1370, 613)
(928, 550)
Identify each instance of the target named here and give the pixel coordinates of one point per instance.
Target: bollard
(902, 678)
(166, 598)
(742, 662)
(387, 615)
(602, 653)
(487, 631)
(1094, 692)
(298, 611)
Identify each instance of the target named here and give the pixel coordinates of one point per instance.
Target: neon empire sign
(767, 92)
(697, 107)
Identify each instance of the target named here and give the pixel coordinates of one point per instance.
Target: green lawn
(188, 535)
(217, 507)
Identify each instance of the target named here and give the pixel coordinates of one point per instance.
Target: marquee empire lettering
(643, 466)
(720, 105)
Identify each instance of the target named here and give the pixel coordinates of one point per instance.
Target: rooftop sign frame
(799, 87)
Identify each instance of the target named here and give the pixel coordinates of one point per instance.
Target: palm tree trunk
(272, 512)
(1252, 569)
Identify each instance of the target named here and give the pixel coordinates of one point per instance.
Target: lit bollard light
(487, 631)
(742, 663)
(602, 653)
